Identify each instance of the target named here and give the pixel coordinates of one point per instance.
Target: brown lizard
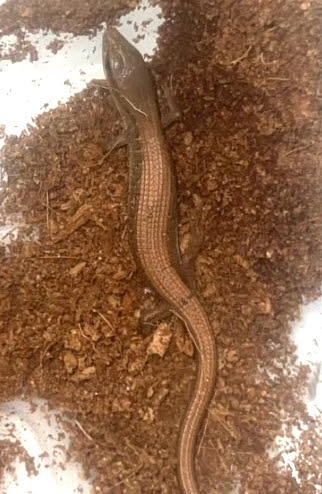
(153, 226)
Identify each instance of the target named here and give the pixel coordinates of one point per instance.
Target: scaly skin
(152, 204)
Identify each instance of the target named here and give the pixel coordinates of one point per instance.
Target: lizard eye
(117, 63)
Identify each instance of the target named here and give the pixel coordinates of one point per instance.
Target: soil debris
(246, 150)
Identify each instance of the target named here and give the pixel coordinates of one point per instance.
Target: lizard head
(125, 71)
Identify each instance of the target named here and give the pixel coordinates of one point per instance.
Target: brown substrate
(247, 155)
